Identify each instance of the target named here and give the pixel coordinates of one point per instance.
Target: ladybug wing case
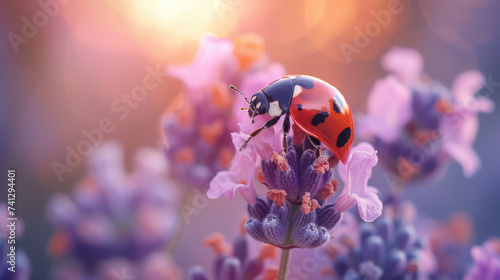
(322, 112)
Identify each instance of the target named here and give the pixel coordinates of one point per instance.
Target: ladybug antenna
(236, 89)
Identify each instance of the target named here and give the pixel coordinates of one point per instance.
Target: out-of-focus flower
(15, 265)
(486, 261)
(417, 124)
(112, 215)
(235, 262)
(388, 249)
(197, 134)
(296, 213)
(450, 243)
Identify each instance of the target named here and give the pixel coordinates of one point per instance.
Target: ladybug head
(259, 104)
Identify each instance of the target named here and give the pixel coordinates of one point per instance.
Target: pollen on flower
(267, 251)
(243, 220)
(328, 190)
(210, 133)
(321, 165)
(280, 161)
(309, 205)
(271, 273)
(184, 155)
(218, 243)
(277, 196)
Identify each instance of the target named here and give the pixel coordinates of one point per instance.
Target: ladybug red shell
(316, 107)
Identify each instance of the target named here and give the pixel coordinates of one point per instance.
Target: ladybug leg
(286, 129)
(258, 130)
(317, 144)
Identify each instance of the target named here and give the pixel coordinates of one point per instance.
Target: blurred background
(64, 64)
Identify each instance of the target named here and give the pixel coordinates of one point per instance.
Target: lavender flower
(115, 218)
(296, 213)
(450, 244)
(486, 261)
(197, 133)
(418, 124)
(235, 263)
(388, 249)
(21, 264)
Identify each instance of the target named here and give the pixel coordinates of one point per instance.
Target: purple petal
(389, 109)
(406, 63)
(466, 85)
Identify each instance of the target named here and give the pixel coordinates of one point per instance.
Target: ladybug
(316, 107)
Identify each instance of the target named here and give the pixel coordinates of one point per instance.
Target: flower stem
(285, 259)
(180, 225)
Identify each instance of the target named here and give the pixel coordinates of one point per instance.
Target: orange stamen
(321, 165)
(221, 97)
(184, 155)
(218, 243)
(243, 220)
(210, 133)
(277, 196)
(267, 251)
(280, 161)
(328, 190)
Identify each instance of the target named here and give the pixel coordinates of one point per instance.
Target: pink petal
(220, 184)
(361, 147)
(359, 169)
(465, 156)
(206, 67)
(389, 109)
(369, 205)
(466, 85)
(406, 63)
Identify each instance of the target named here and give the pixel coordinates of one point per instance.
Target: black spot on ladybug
(343, 137)
(319, 118)
(299, 107)
(336, 107)
(304, 82)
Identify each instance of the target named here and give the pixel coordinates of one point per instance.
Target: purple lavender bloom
(388, 249)
(486, 261)
(234, 262)
(197, 134)
(112, 215)
(20, 268)
(417, 124)
(450, 244)
(296, 213)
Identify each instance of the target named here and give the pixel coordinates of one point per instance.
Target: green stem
(285, 260)
(181, 225)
